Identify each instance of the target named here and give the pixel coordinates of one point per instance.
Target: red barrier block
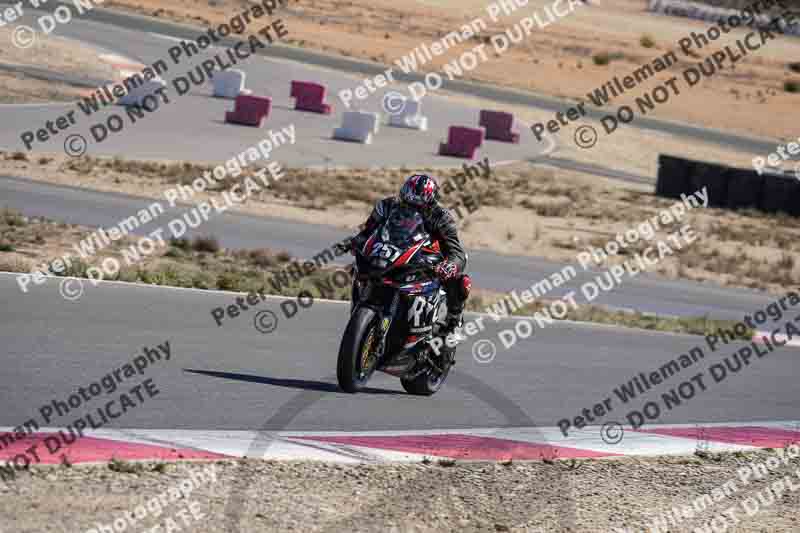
(462, 142)
(310, 97)
(498, 126)
(249, 110)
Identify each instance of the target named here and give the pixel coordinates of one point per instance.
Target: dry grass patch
(597, 314)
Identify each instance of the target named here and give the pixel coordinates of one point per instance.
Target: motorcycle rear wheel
(356, 362)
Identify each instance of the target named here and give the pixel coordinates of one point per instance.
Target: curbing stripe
(479, 444)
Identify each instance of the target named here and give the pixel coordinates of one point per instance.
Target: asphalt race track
(646, 293)
(234, 377)
(191, 127)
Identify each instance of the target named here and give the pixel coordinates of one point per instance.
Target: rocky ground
(607, 495)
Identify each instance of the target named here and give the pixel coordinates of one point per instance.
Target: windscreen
(404, 228)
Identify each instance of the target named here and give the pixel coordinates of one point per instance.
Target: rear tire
(348, 366)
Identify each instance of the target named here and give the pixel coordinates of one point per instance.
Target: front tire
(427, 383)
(356, 361)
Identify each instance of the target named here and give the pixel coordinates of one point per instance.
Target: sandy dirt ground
(556, 59)
(52, 53)
(601, 496)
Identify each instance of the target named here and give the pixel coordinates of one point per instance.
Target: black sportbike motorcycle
(398, 308)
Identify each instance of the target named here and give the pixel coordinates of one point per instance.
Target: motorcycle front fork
(385, 320)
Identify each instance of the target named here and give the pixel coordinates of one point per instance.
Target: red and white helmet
(420, 191)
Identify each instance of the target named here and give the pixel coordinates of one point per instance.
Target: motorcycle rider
(422, 193)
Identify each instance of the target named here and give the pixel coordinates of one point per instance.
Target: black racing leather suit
(441, 225)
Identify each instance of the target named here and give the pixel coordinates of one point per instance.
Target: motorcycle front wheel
(427, 383)
(357, 360)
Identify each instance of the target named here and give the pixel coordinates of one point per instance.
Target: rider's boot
(454, 320)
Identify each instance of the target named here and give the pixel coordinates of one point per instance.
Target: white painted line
(588, 325)
(780, 337)
(167, 37)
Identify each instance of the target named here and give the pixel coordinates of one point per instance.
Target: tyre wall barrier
(714, 178)
(744, 189)
(674, 176)
(781, 193)
(717, 14)
(728, 187)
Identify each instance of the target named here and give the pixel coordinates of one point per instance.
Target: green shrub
(182, 243)
(130, 275)
(647, 41)
(169, 276)
(6, 247)
(601, 59)
(13, 218)
(75, 269)
(203, 281)
(604, 58)
(230, 281)
(791, 86)
(263, 258)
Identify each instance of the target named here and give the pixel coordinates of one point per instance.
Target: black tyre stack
(728, 187)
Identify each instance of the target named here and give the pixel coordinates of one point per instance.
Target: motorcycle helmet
(420, 191)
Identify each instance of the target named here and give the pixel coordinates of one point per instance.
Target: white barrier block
(410, 117)
(357, 126)
(138, 93)
(229, 83)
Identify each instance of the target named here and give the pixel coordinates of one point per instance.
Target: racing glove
(446, 270)
(355, 245)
